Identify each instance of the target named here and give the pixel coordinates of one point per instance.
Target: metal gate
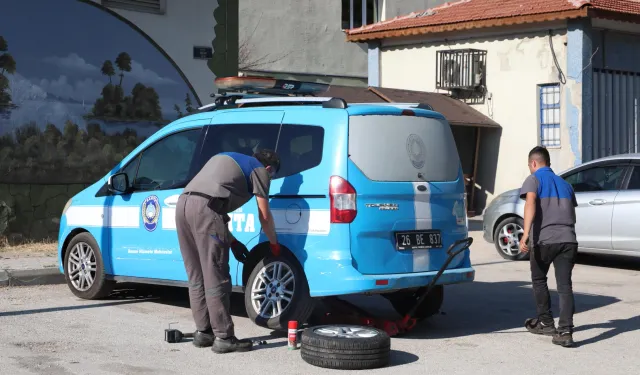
(615, 112)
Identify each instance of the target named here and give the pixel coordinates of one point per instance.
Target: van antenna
(278, 139)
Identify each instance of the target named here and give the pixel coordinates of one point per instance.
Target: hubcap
(509, 239)
(346, 332)
(272, 290)
(82, 266)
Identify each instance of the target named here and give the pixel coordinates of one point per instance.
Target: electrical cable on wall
(561, 75)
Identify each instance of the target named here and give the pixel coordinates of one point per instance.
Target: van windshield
(403, 148)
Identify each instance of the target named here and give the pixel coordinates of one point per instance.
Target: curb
(43, 276)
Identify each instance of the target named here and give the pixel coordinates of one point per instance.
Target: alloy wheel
(82, 266)
(272, 290)
(509, 239)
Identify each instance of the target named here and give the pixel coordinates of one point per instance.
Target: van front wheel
(84, 268)
(277, 292)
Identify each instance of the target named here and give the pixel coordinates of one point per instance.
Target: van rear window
(403, 148)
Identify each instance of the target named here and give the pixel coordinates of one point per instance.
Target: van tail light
(343, 200)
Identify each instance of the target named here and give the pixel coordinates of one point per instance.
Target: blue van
(367, 200)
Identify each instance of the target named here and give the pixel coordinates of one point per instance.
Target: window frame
(622, 163)
(350, 19)
(199, 162)
(633, 164)
(542, 125)
(138, 157)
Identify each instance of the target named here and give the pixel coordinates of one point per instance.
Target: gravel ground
(46, 330)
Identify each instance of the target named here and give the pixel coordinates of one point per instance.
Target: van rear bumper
(347, 280)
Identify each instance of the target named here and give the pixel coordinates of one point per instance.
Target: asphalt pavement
(46, 330)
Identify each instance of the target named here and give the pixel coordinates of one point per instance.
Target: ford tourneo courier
(367, 200)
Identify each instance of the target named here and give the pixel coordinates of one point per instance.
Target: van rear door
(410, 192)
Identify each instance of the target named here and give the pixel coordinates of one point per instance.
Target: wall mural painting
(75, 98)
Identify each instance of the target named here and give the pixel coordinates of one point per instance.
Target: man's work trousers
(563, 257)
(203, 239)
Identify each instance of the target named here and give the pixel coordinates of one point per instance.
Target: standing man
(226, 182)
(550, 207)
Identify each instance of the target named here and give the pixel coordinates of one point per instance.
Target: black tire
(301, 305)
(403, 301)
(101, 287)
(342, 353)
(496, 240)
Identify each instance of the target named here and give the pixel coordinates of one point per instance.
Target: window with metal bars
(356, 13)
(549, 115)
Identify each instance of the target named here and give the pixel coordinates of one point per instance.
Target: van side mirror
(118, 183)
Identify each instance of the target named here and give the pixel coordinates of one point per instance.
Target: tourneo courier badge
(150, 212)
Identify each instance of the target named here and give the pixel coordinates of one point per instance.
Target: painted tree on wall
(108, 70)
(7, 65)
(70, 155)
(123, 61)
(142, 105)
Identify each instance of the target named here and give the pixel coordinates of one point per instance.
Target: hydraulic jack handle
(453, 250)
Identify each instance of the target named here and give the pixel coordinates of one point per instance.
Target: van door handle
(597, 202)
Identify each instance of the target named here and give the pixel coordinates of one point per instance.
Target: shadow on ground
(498, 307)
(468, 309)
(609, 261)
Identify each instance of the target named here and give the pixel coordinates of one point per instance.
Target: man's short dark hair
(541, 154)
(268, 158)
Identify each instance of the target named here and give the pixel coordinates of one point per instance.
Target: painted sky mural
(79, 89)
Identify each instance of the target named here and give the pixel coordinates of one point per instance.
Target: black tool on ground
(348, 313)
(172, 335)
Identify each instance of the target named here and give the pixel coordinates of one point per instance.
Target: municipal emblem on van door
(416, 151)
(150, 212)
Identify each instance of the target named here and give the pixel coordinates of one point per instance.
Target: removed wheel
(507, 238)
(84, 268)
(277, 292)
(403, 301)
(345, 347)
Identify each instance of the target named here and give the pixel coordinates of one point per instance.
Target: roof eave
(614, 16)
(468, 25)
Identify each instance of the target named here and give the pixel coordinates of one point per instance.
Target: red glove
(275, 249)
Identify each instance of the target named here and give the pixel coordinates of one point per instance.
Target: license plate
(423, 239)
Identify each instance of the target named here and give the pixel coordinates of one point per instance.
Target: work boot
(537, 327)
(563, 339)
(203, 339)
(231, 344)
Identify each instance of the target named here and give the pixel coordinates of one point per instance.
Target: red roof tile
(620, 6)
(464, 14)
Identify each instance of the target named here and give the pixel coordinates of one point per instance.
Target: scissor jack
(343, 312)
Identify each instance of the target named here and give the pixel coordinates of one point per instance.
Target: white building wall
(515, 66)
(185, 24)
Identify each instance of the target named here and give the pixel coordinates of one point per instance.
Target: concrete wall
(394, 8)
(32, 211)
(300, 36)
(186, 23)
(516, 64)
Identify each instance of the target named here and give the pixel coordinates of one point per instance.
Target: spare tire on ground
(345, 347)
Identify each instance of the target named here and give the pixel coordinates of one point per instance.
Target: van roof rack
(424, 106)
(236, 101)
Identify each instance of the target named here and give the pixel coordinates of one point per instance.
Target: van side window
(131, 168)
(165, 164)
(299, 146)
